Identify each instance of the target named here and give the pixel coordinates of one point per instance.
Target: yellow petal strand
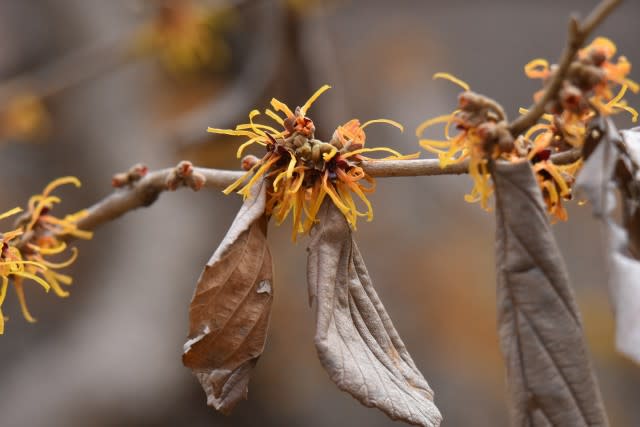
(58, 265)
(630, 110)
(17, 265)
(80, 234)
(57, 289)
(369, 150)
(297, 215)
(62, 278)
(10, 213)
(328, 188)
(61, 181)
(254, 127)
(547, 117)
(536, 69)
(281, 106)
(564, 188)
(75, 217)
(605, 44)
(428, 123)
(274, 116)
(552, 193)
(447, 127)
(452, 79)
(292, 165)
(35, 278)
(401, 157)
(240, 180)
(633, 86)
(70, 228)
(313, 98)
(48, 251)
(433, 143)
(252, 114)
(356, 189)
(46, 202)
(3, 294)
(535, 128)
(619, 96)
(386, 121)
(276, 181)
(265, 167)
(245, 145)
(232, 132)
(257, 126)
(17, 285)
(328, 156)
(316, 202)
(10, 235)
(345, 197)
(295, 187)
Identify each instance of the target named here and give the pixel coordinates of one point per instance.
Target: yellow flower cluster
(470, 119)
(24, 117)
(302, 170)
(595, 85)
(39, 235)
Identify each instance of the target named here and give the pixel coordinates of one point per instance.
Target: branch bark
(145, 192)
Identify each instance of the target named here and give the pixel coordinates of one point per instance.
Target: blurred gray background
(110, 354)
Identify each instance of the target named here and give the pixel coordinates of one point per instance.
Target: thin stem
(430, 167)
(145, 192)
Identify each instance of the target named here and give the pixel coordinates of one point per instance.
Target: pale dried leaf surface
(356, 341)
(603, 172)
(229, 312)
(549, 374)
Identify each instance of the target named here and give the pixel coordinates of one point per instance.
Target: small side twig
(578, 33)
(146, 190)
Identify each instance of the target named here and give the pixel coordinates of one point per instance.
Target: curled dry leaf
(548, 369)
(229, 312)
(613, 165)
(355, 338)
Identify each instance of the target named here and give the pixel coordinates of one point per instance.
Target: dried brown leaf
(610, 167)
(229, 312)
(548, 368)
(355, 338)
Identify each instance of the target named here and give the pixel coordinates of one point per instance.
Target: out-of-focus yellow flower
(25, 117)
(42, 235)
(302, 170)
(186, 37)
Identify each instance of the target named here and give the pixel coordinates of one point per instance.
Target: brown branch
(145, 191)
(578, 33)
(430, 167)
